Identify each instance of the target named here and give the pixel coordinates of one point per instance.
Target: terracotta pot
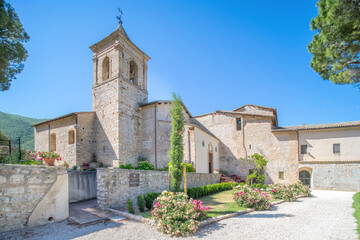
(49, 161)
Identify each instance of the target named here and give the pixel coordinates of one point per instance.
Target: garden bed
(220, 204)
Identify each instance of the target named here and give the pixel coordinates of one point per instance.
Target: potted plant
(49, 157)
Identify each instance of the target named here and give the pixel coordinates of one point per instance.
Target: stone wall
(342, 176)
(114, 189)
(85, 142)
(32, 195)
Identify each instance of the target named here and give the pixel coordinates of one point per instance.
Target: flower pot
(49, 161)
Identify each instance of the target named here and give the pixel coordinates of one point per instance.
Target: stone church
(123, 126)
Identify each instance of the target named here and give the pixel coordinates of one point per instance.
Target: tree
(258, 162)
(176, 142)
(12, 52)
(336, 44)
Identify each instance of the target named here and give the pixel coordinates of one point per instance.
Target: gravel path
(325, 215)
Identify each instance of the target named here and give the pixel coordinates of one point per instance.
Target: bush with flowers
(176, 215)
(300, 189)
(251, 198)
(283, 192)
(200, 209)
(43, 154)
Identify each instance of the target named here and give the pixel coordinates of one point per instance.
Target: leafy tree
(176, 143)
(12, 52)
(336, 44)
(259, 163)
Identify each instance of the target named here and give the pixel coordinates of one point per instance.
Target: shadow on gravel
(61, 230)
(263, 215)
(207, 230)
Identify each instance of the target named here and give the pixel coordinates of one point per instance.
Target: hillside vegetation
(15, 126)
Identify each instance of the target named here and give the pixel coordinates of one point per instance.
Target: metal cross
(120, 15)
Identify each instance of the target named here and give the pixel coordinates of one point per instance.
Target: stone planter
(49, 161)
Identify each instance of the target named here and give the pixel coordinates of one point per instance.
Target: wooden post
(185, 188)
(169, 178)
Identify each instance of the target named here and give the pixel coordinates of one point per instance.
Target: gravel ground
(325, 215)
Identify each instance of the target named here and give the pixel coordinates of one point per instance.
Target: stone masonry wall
(341, 176)
(30, 195)
(85, 138)
(114, 190)
(61, 129)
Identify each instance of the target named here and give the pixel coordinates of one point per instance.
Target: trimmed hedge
(195, 192)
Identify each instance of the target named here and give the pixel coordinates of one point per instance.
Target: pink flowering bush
(249, 198)
(175, 214)
(283, 192)
(200, 209)
(300, 189)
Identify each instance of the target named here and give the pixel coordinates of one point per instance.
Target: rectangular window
(71, 137)
(52, 142)
(336, 148)
(281, 175)
(238, 124)
(303, 149)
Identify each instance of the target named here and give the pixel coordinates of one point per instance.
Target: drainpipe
(298, 152)
(155, 109)
(243, 132)
(49, 136)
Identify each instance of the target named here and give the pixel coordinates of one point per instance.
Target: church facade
(123, 127)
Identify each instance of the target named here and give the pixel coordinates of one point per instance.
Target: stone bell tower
(120, 86)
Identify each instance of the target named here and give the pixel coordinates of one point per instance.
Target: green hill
(15, 126)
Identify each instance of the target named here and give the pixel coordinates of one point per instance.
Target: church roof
(166, 102)
(61, 117)
(122, 30)
(317, 126)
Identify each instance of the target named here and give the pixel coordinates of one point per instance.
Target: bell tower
(119, 88)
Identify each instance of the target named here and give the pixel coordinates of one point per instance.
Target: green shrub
(166, 168)
(149, 199)
(127, 166)
(356, 205)
(130, 206)
(175, 214)
(197, 192)
(145, 165)
(141, 203)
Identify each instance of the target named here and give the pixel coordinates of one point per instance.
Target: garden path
(325, 215)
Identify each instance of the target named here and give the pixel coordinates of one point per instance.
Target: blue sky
(215, 54)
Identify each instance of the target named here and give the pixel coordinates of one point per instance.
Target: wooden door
(210, 162)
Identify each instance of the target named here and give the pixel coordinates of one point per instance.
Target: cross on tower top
(120, 15)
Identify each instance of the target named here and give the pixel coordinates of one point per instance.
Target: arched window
(52, 142)
(305, 178)
(106, 69)
(133, 73)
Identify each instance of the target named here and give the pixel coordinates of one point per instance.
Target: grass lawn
(356, 205)
(220, 203)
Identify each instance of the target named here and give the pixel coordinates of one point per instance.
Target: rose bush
(176, 215)
(200, 209)
(300, 189)
(249, 198)
(282, 192)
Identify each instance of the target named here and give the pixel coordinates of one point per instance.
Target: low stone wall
(342, 176)
(82, 185)
(115, 187)
(32, 195)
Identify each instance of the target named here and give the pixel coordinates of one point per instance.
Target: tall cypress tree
(176, 142)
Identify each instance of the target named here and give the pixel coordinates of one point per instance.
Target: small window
(281, 175)
(303, 149)
(71, 137)
(238, 124)
(336, 148)
(52, 142)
